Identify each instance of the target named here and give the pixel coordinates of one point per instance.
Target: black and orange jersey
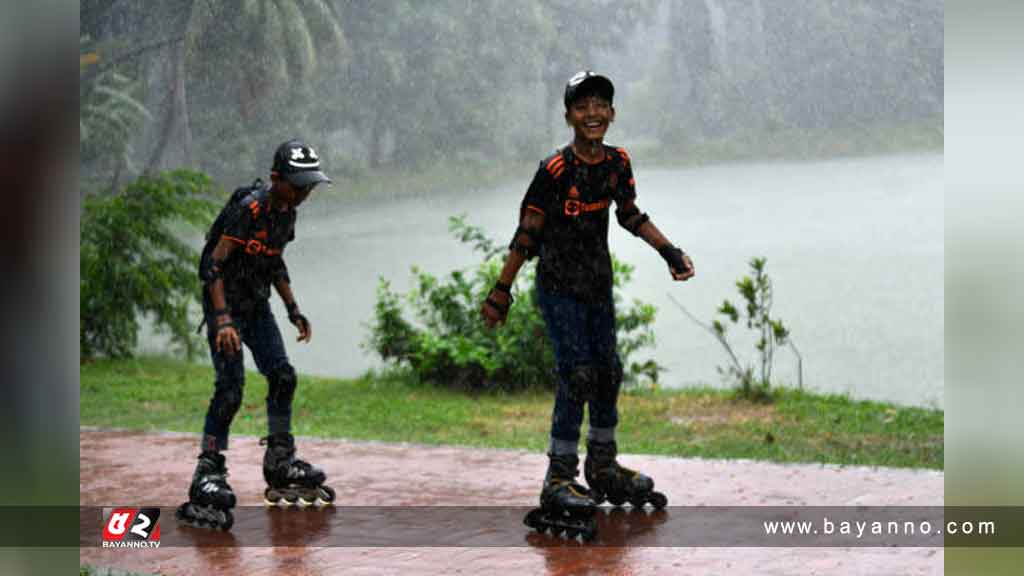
(576, 198)
(261, 234)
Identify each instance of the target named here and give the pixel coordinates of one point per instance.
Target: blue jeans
(583, 336)
(259, 332)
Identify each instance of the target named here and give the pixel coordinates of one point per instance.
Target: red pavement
(154, 469)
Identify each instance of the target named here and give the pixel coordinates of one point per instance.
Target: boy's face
(289, 194)
(590, 117)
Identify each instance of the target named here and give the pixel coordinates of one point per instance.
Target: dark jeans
(259, 332)
(583, 336)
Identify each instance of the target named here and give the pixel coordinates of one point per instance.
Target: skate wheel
(571, 533)
(227, 520)
(658, 500)
(616, 500)
(556, 530)
(326, 496)
(638, 503)
(590, 532)
(532, 520)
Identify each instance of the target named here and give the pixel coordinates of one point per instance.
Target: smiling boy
(564, 220)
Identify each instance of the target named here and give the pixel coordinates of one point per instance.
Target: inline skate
(617, 484)
(291, 481)
(210, 498)
(565, 506)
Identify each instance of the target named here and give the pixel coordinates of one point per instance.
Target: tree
(109, 110)
(133, 262)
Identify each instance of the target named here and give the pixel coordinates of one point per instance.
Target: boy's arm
(284, 290)
(524, 246)
(227, 336)
(679, 263)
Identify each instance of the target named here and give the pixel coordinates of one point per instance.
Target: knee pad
(227, 400)
(281, 386)
(583, 382)
(609, 382)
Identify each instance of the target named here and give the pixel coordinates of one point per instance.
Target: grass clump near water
(168, 394)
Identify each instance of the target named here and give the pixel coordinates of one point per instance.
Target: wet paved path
(154, 469)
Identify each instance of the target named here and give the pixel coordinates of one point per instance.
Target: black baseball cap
(587, 83)
(299, 164)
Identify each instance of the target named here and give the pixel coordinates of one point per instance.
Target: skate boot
(290, 481)
(617, 484)
(210, 498)
(565, 505)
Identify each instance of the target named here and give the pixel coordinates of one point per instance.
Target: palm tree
(265, 42)
(108, 108)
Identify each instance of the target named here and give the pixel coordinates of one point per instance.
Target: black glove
(296, 317)
(674, 257)
(502, 309)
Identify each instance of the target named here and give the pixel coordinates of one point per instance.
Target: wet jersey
(576, 199)
(261, 233)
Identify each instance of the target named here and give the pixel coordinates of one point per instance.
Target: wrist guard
(222, 325)
(674, 258)
(211, 270)
(294, 316)
(502, 309)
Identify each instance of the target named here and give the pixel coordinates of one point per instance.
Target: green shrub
(757, 293)
(449, 345)
(133, 262)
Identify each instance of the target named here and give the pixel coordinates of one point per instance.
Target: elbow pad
(526, 241)
(631, 219)
(280, 270)
(211, 270)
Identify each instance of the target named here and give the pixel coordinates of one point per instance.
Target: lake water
(854, 248)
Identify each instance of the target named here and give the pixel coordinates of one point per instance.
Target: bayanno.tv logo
(131, 527)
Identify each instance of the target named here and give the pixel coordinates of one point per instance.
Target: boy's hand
(679, 263)
(227, 341)
(495, 307)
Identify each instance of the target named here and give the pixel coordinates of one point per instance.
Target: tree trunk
(176, 121)
(376, 140)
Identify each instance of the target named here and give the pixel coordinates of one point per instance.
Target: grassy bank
(166, 394)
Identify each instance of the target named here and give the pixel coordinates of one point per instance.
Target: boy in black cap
(564, 220)
(242, 258)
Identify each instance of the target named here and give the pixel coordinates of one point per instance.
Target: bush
(450, 345)
(757, 293)
(133, 262)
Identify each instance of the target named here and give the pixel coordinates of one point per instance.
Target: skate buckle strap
(575, 488)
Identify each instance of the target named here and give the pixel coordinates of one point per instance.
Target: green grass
(167, 394)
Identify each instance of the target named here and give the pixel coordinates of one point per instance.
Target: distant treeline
(215, 86)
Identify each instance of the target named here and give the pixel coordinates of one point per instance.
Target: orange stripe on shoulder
(624, 154)
(233, 239)
(555, 165)
(535, 209)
